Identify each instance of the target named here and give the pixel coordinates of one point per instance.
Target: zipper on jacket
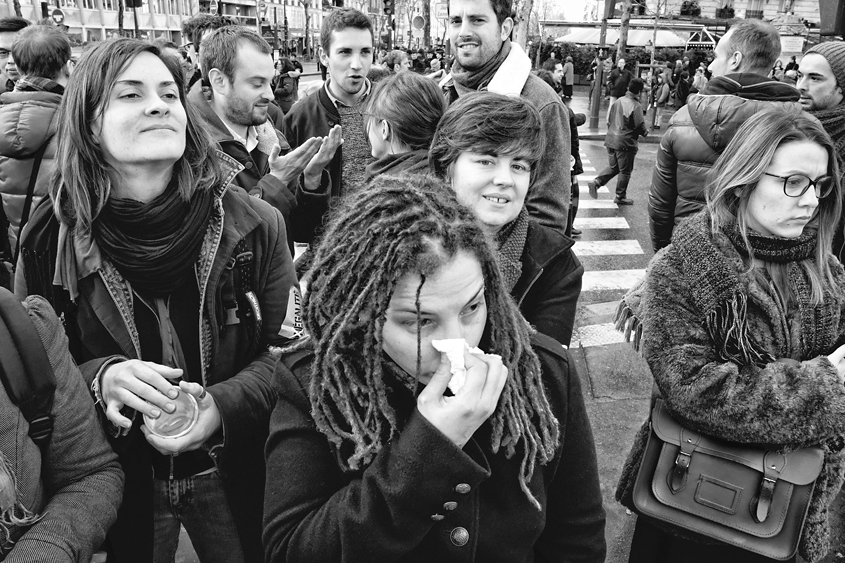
(530, 285)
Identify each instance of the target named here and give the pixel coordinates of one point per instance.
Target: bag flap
(801, 468)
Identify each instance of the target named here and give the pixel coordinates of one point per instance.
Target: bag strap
(24, 368)
(30, 193)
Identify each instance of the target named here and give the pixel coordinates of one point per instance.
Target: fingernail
(126, 424)
(170, 407)
(173, 393)
(155, 413)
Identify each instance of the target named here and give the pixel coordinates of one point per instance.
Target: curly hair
(395, 226)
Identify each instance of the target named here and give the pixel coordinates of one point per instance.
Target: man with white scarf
(486, 59)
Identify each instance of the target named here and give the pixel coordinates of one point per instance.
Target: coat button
(437, 517)
(451, 505)
(463, 488)
(247, 165)
(459, 536)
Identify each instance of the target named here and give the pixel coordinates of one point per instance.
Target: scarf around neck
(471, 80)
(155, 245)
(511, 244)
(833, 121)
(37, 84)
(722, 298)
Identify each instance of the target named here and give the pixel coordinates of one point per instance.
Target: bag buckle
(40, 429)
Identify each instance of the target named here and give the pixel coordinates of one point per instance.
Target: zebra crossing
(602, 288)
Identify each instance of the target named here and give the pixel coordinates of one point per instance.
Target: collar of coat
(751, 87)
(509, 79)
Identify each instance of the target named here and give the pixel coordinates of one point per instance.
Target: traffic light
(388, 7)
(832, 14)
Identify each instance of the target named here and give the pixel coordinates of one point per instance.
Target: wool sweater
(794, 402)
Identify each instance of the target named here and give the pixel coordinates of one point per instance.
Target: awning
(636, 37)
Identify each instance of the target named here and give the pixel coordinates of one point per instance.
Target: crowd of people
(155, 197)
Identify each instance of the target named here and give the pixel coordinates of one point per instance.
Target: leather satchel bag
(745, 496)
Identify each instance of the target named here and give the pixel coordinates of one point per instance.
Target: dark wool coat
(423, 499)
(237, 363)
(697, 135)
(548, 289)
(795, 401)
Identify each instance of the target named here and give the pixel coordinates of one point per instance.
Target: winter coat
(696, 136)
(409, 162)
(423, 499)
(314, 116)
(27, 121)
(284, 90)
(794, 401)
(625, 124)
(237, 361)
(74, 482)
(548, 288)
(619, 80)
(568, 73)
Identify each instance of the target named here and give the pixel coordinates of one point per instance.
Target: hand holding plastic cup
(180, 421)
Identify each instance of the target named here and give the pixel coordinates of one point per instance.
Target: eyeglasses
(796, 185)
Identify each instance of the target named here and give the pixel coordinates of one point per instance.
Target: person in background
(58, 499)
(618, 82)
(568, 80)
(741, 321)
(370, 458)
(625, 127)
(660, 96)
(397, 61)
(284, 85)
(821, 83)
(486, 148)
(700, 131)
(400, 117)
(29, 118)
(9, 29)
(699, 82)
(170, 280)
(777, 71)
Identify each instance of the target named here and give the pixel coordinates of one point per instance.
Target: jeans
(198, 503)
(621, 163)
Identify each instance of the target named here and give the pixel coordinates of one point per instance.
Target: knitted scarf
(37, 84)
(833, 121)
(722, 299)
(511, 244)
(155, 245)
(467, 81)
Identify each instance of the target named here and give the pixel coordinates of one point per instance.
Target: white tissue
(454, 349)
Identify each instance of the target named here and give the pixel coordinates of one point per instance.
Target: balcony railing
(754, 14)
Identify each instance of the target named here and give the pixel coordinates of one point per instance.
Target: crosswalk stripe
(600, 223)
(584, 189)
(596, 335)
(610, 279)
(586, 203)
(607, 247)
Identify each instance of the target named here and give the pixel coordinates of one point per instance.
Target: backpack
(24, 368)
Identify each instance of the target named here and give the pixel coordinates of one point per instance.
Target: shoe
(576, 232)
(593, 189)
(623, 201)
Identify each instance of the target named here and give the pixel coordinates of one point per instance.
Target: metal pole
(654, 39)
(135, 12)
(597, 85)
(276, 28)
(258, 17)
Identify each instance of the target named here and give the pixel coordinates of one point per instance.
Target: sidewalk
(580, 104)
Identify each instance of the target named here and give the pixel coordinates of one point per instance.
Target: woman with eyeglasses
(741, 320)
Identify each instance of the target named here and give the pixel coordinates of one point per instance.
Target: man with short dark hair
(347, 51)
(700, 130)
(9, 29)
(485, 58)
(28, 115)
(624, 128)
(238, 66)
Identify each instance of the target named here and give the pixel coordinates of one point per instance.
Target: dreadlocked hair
(395, 226)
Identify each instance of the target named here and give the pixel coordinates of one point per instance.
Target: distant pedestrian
(625, 127)
(618, 83)
(660, 94)
(568, 78)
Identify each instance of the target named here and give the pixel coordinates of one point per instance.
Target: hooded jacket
(27, 121)
(237, 360)
(697, 135)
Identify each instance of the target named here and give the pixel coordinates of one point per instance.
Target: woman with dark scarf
(487, 147)
(741, 318)
(400, 117)
(170, 281)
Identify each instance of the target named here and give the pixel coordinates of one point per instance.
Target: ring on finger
(202, 395)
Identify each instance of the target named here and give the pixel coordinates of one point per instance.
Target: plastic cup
(180, 421)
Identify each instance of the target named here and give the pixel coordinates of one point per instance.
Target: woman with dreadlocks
(741, 322)
(486, 148)
(370, 456)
